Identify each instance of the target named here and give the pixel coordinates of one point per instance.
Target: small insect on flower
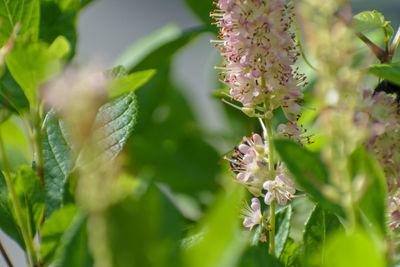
(250, 163)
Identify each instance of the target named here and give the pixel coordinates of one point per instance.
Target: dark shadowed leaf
(144, 230)
(11, 95)
(319, 226)
(7, 222)
(202, 10)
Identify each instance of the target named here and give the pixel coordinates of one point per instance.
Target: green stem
(272, 228)
(272, 174)
(18, 210)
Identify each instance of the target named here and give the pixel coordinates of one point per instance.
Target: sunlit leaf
(53, 230)
(22, 12)
(33, 64)
(129, 83)
(390, 72)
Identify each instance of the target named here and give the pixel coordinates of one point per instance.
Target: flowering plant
(118, 166)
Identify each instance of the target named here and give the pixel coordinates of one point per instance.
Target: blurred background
(187, 131)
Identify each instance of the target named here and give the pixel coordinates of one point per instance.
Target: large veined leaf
(320, 224)
(7, 222)
(290, 253)
(390, 72)
(114, 124)
(308, 171)
(53, 230)
(57, 151)
(22, 12)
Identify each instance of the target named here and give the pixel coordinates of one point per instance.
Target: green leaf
(145, 46)
(167, 146)
(74, 249)
(129, 83)
(257, 256)
(59, 17)
(144, 229)
(11, 95)
(33, 64)
(7, 222)
(367, 20)
(221, 239)
(53, 230)
(372, 201)
(282, 227)
(24, 12)
(31, 196)
(290, 253)
(390, 72)
(114, 124)
(319, 226)
(349, 250)
(202, 10)
(308, 171)
(57, 151)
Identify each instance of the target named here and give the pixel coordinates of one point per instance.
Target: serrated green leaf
(309, 172)
(372, 201)
(114, 124)
(290, 254)
(282, 227)
(53, 230)
(354, 249)
(7, 222)
(129, 83)
(57, 151)
(74, 249)
(24, 12)
(33, 64)
(390, 72)
(31, 196)
(320, 224)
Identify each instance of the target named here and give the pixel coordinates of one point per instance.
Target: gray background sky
(107, 27)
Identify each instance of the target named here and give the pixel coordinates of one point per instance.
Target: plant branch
(5, 255)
